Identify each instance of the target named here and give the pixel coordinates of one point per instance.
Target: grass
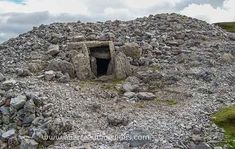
(225, 118)
(111, 84)
(169, 102)
(228, 26)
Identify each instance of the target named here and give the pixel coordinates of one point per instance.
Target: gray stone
(145, 96)
(39, 135)
(61, 65)
(18, 102)
(28, 119)
(129, 94)
(231, 36)
(28, 143)
(2, 78)
(53, 50)
(138, 137)
(13, 142)
(64, 78)
(203, 146)
(81, 63)
(8, 84)
(122, 67)
(35, 67)
(59, 126)
(35, 97)
(227, 58)
(29, 106)
(133, 80)
(132, 50)
(116, 119)
(23, 72)
(8, 134)
(167, 146)
(218, 147)
(128, 87)
(49, 75)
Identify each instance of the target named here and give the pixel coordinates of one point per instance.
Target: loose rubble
(171, 73)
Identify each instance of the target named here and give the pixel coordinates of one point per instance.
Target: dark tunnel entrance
(102, 66)
(100, 60)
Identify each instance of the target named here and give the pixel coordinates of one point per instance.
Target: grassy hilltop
(228, 26)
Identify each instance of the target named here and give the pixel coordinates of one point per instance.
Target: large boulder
(122, 67)
(145, 96)
(8, 134)
(61, 65)
(132, 50)
(18, 102)
(53, 50)
(8, 84)
(82, 66)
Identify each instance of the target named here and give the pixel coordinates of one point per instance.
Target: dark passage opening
(102, 66)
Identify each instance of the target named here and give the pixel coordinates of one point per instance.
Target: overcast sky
(18, 16)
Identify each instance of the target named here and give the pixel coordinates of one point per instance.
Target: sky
(19, 16)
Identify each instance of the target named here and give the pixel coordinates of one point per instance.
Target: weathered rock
(53, 50)
(232, 36)
(28, 143)
(13, 142)
(29, 106)
(64, 78)
(145, 96)
(39, 135)
(128, 87)
(129, 94)
(18, 102)
(2, 78)
(132, 50)
(28, 119)
(115, 119)
(59, 126)
(35, 67)
(49, 75)
(202, 146)
(61, 65)
(227, 58)
(35, 97)
(23, 72)
(3, 145)
(4, 115)
(122, 66)
(8, 134)
(167, 146)
(133, 80)
(8, 84)
(82, 66)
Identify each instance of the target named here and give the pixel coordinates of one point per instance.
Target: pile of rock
(162, 38)
(133, 91)
(25, 120)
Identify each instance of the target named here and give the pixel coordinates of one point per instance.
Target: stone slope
(184, 71)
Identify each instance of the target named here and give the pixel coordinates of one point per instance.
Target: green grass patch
(225, 118)
(170, 102)
(139, 105)
(155, 68)
(228, 26)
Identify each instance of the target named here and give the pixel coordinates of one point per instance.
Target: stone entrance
(100, 60)
(93, 59)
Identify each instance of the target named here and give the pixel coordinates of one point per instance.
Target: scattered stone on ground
(172, 73)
